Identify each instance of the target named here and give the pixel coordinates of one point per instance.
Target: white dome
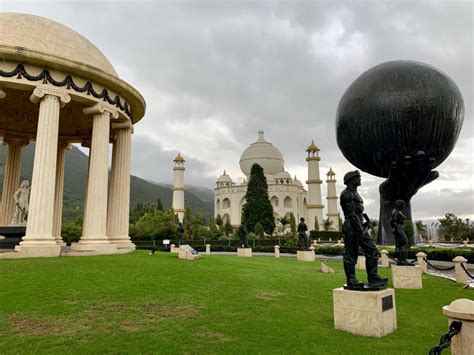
(264, 154)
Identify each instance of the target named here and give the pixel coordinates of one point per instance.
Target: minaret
(314, 202)
(333, 215)
(178, 187)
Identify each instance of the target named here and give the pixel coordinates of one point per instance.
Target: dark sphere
(396, 109)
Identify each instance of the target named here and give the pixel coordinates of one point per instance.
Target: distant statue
(401, 240)
(356, 235)
(303, 241)
(243, 236)
(21, 197)
(180, 233)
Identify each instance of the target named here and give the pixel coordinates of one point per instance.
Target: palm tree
(327, 225)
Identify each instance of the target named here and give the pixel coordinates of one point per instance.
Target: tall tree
(258, 208)
(453, 227)
(159, 205)
(328, 225)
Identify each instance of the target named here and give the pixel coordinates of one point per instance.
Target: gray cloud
(213, 73)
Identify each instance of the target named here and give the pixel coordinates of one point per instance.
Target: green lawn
(137, 303)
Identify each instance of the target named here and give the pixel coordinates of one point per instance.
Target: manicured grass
(137, 303)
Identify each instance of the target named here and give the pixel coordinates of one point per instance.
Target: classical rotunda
(286, 194)
(57, 88)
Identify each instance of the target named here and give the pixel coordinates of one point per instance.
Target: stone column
(208, 249)
(39, 239)
(95, 212)
(59, 192)
(420, 258)
(332, 214)
(11, 178)
(277, 251)
(462, 310)
(461, 276)
(384, 258)
(119, 196)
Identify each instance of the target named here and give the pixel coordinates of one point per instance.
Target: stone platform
(245, 252)
(188, 253)
(368, 313)
(407, 277)
(305, 255)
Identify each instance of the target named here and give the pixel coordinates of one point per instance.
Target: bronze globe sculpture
(399, 120)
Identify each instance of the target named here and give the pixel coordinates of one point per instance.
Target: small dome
(330, 172)
(312, 147)
(264, 154)
(39, 36)
(224, 178)
(283, 175)
(179, 159)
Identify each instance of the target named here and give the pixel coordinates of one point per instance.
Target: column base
(407, 277)
(104, 248)
(37, 251)
(305, 255)
(245, 252)
(368, 313)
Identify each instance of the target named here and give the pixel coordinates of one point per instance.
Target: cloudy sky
(213, 73)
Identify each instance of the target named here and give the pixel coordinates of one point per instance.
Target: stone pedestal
(461, 276)
(188, 253)
(360, 262)
(246, 252)
(420, 258)
(462, 310)
(406, 276)
(430, 242)
(326, 269)
(384, 258)
(369, 313)
(305, 255)
(173, 249)
(208, 249)
(277, 251)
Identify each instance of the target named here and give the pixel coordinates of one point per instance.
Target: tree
(284, 221)
(259, 230)
(409, 231)
(258, 208)
(453, 227)
(219, 221)
(421, 228)
(340, 222)
(328, 225)
(159, 205)
(316, 223)
(228, 228)
(293, 224)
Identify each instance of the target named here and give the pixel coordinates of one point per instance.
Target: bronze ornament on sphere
(399, 120)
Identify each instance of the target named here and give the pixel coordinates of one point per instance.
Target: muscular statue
(356, 235)
(21, 197)
(401, 240)
(243, 236)
(303, 241)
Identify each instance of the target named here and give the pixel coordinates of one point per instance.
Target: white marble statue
(21, 197)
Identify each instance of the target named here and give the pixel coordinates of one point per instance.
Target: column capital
(44, 90)
(3, 94)
(15, 140)
(122, 124)
(99, 108)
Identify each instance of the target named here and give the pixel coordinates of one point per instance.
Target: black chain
(88, 88)
(467, 272)
(437, 267)
(445, 340)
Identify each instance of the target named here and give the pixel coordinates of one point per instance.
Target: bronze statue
(399, 120)
(303, 241)
(243, 236)
(356, 235)
(180, 233)
(401, 240)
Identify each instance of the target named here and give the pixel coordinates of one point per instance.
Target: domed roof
(38, 36)
(224, 178)
(283, 175)
(297, 182)
(264, 154)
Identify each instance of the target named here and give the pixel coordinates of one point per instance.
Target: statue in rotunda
(21, 197)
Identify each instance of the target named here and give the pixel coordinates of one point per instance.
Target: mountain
(200, 199)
